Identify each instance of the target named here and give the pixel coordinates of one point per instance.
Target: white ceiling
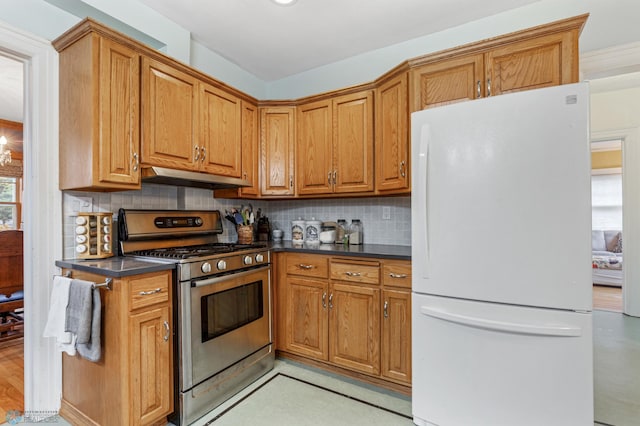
(273, 42)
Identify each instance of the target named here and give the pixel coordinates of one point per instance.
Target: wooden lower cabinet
(306, 319)
(354, 327)
(132, 384)
(350, 313)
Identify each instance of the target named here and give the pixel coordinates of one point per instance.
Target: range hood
(164, 176)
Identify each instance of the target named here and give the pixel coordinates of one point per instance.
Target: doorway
(607, 232)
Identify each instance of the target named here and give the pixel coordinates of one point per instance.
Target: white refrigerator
(501, 255)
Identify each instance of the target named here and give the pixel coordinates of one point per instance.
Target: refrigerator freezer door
(479, 363)
(501, 208)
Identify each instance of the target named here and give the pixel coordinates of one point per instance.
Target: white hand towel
(56, 319)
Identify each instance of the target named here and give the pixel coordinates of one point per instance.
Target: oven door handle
(216, 280)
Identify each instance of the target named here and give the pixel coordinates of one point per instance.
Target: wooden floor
(12, 377)
(607, 298)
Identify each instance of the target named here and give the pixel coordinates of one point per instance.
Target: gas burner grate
(195, 251)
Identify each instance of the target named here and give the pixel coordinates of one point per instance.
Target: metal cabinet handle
(479, 89)
(352, 274)
(146, 293)
(136, 162)
(291, 181)
(331, 301)
(385, 309)
(402, 168)
(335, 177)
(324, 300)
(197, 156)
(303, 266)
(167, 331)
(245, 175)
(329, 178)
(392, 275)
(204, 153)
(488, 87)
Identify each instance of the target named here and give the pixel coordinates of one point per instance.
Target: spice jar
(355, 232)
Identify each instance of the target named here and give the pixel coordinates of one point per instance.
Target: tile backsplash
(395, 230)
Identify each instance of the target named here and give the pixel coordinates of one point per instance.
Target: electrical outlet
(82, 204)
(386, 213)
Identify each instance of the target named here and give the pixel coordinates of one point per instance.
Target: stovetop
(196, 252)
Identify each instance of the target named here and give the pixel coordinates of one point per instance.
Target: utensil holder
(245, 234)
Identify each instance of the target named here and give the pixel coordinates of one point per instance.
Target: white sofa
(607, 257)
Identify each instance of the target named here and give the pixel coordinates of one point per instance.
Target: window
(10, 207)
(606, 201)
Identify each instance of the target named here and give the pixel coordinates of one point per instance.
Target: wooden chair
(11, 284)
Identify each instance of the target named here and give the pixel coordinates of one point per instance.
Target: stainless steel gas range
(222, 303)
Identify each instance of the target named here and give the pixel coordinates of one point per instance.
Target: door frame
(42, 214)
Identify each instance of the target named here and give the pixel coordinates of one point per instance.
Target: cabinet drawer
(308, 265)
(365, 272)
(396, 274)
(148, 290)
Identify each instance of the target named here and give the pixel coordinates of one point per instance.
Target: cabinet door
(531, 64)
(353, 142)
(396, 335)
(314, 166)
(354, 327)
(306, 317)
(447, 81)
(249, 148)
(220, 146)
(392, 136)
(151, 374)
(277, 139)
(118, 160)
(169, 117)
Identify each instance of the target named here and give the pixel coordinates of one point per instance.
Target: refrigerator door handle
(502, 326)
(423, 198)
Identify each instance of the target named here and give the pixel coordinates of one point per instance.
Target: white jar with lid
(297, 231)
(312, 231)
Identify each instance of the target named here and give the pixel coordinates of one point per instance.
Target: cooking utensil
(238, 217)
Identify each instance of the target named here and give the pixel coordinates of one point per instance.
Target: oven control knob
(206, 267)
(198, 221)
(259, 258)
(222, 265)
(248, 260)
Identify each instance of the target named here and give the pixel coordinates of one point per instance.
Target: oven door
(228, 318)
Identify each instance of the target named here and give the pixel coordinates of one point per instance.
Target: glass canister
(355, 232)
(312, 231)
(297, 231)
(341, 231)
(328, 233)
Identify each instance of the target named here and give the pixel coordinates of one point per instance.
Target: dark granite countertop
(116, 267)
(365, 250)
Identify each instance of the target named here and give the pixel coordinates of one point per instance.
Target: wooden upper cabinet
(221, 141)
(353, 142)
(277, 150)
(249, 120)
(392, 142)
(170, 132)
(537, 57)
(314, 147)
(448, 81)
(545, 61)
(99, 115)
(335, 145)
